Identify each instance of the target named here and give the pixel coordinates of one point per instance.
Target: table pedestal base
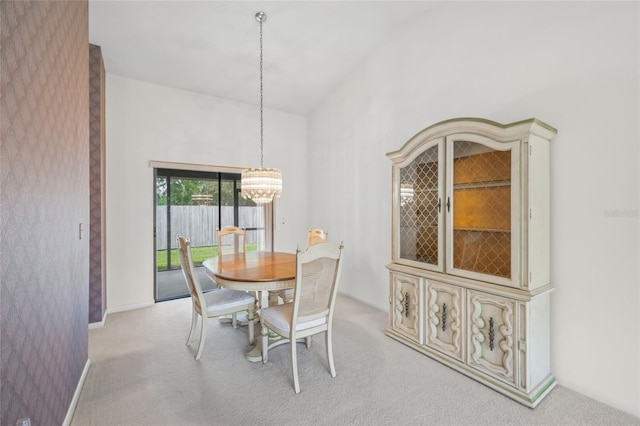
(255, 354)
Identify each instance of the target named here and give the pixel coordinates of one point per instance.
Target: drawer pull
(444, 316)
(492, 333)
(406, 305)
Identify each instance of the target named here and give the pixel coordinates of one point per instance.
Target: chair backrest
(317, 277)
(231, 239)
(195, 290)
(316, 236)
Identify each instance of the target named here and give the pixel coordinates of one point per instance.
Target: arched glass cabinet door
(418, 206)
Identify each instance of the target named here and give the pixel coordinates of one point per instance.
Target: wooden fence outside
(199, 224)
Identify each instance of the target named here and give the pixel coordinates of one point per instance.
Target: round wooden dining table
(260, 271)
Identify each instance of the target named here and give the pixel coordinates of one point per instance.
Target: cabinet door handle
(444, 316)
(406, 305)
(448, 204)
(492, 334)
(439, 204)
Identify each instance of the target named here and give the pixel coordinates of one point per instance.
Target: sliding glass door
(195, 204)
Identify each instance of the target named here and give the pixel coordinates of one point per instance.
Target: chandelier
(261, 185)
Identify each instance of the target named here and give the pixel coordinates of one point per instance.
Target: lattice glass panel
(419, 208)
(482, 209)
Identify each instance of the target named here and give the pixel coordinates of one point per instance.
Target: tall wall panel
(97, 279)
(44, 203)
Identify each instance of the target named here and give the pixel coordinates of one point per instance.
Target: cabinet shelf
(504, 231)
(488, 184)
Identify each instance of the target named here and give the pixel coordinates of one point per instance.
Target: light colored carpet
(142, 373)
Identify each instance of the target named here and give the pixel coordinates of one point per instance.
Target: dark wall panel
(44, 196)
(97, 290)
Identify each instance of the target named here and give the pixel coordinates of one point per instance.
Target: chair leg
(203, 335)
(308, 342)
(194, 320)
(332, 367)
(234, 320)
(294, 365)
(265, 343)
(251, 319)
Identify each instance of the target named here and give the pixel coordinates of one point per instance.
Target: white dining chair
(315, 236)
(317, 277)
(214, 303)
(231, 239)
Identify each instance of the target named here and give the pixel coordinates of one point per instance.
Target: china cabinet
(469, 273)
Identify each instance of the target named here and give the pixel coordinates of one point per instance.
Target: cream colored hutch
(469, 273)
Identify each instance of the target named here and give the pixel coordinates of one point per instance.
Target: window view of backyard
(199, 254)
(196, 205)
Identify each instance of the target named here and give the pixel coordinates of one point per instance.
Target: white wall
(149, 122)
(574, 65)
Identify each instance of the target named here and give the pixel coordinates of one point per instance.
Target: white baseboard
(76, 395)
(99, 324)
(130, 307)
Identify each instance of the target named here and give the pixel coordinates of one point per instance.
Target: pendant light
(261, 185)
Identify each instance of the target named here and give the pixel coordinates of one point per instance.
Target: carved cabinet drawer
(492, 328)
(445, 319)
(406, 306)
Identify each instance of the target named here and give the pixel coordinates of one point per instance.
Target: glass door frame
(438, 143)
(220, 177)
(196, 171)
(514, 148)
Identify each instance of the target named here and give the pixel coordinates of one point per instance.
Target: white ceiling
(212, 47)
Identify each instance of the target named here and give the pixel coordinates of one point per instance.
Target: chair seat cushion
(224, 299)
(280, 317)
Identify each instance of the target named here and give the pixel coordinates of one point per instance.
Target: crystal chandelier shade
(261, 185)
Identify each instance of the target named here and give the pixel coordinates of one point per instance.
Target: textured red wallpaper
(44, 196)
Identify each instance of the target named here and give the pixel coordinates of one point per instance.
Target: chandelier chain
(261, 119)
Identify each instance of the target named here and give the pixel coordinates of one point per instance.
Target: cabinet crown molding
(474, 125)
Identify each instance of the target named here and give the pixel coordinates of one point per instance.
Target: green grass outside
(199, 254)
